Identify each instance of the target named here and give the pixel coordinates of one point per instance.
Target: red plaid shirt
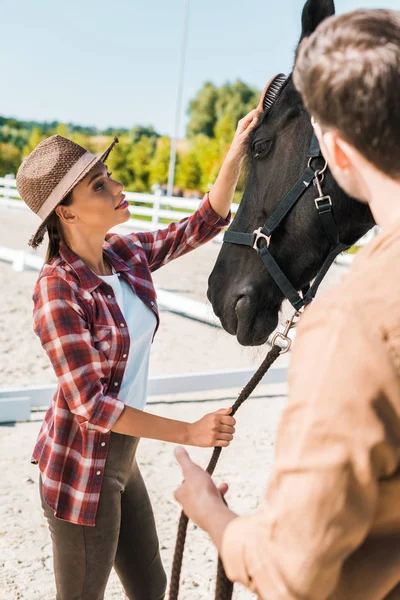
(83, 332)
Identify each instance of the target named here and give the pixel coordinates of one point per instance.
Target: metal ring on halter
(320, 171)
(260, 236)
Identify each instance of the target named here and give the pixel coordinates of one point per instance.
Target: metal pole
(172, 157)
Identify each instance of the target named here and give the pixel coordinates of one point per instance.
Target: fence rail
(152, 211)
(16, 403)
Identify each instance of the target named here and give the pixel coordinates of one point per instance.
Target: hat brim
(96, 160)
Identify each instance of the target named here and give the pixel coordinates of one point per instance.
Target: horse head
(244, 295)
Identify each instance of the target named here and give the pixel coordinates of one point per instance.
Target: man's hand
(200, 498)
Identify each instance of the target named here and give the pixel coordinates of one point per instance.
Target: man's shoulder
(343, 297)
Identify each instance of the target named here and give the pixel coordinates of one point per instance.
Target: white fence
(148, 211)
(152, 211)
(16, 403)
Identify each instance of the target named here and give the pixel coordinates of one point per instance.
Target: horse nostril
(246, 292)
(242, 306)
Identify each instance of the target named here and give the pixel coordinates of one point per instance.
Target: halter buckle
(319, 201)
(285, 339)
(260, 235)
(283, 336)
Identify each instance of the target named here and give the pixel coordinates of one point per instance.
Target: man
(330, 524)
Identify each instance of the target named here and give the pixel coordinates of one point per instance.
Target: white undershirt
(141, 322)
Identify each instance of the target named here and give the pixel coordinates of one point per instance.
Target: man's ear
(337, 150)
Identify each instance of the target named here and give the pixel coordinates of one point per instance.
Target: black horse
(243, 294)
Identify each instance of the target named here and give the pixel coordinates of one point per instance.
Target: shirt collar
(88, 279)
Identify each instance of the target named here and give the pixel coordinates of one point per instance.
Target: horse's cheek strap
(280, 279)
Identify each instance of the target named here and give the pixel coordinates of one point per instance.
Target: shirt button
(122, 324)
(109, 296)
(98, 472)
(119, 274)
(115, 382)
(103, 443)
(124, 355)
(152, 303)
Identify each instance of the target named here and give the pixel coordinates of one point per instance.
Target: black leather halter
(323, 205)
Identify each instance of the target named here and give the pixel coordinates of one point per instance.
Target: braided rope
(224, 587)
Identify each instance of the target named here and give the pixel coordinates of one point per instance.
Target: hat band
(65, 184)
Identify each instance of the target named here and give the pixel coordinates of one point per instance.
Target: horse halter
(323, 205)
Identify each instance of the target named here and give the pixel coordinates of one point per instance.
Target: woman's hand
(245, 126)
(214, 429)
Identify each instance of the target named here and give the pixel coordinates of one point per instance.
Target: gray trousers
(124, 536)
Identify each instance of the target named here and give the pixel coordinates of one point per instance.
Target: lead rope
(224, 587)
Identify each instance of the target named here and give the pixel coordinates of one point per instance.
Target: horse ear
(314, 12)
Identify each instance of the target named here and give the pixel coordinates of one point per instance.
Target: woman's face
(94, 202)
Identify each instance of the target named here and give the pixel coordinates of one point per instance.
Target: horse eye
(261, 148)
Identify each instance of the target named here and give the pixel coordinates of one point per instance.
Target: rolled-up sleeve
(322, 494)
(60, 322)
(178, 238)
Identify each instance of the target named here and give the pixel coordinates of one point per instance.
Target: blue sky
(116, 63)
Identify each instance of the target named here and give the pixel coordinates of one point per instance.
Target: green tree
(138, 132)
(62, 129)
(160, 161)
(211, 104)
(224, 131)
(208, 156)
(236, 100)
(202, 111)
(89, 142)
(139, 160)
(188, 171)
(119, 164)
(10, 159)
(35, 138)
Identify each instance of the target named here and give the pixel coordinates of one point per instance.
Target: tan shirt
(330, 524)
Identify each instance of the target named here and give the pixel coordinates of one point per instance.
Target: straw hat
(50, 172)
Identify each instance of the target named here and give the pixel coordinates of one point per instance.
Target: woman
(95, 314)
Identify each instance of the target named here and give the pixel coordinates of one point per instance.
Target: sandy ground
(25, 544)
(182, 345)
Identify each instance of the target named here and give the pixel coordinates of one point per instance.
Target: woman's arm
(214, 429)
(212, 216)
